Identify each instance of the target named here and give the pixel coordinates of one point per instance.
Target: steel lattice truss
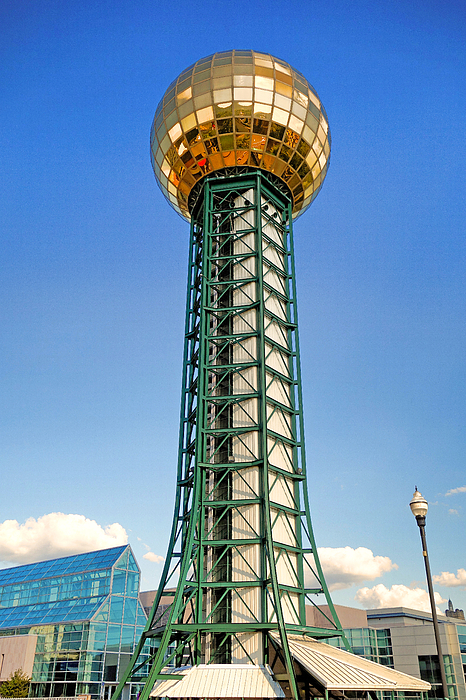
(242, 558)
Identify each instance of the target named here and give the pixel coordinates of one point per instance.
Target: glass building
(402, 638)
(85, 614)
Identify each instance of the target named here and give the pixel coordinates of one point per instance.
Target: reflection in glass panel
(263, 82)
(243, 109)
(225, 126)
(141, 619)
(116, 609)
(242, 80)
(201, 74)
(242, 141)
(113, 637)
(225, 109)
(227, 143)
(284, 90)
(102, 614)
(127, 638)
(130, 611)
(219, 83)
(132, 584)
(119, 581)
(97, 637)
(243, 94)
(201, 88)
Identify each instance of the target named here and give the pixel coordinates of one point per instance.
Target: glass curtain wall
(429, 668)
(87, 617)
(372, 644)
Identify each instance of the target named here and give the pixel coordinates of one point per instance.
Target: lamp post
(419, 509)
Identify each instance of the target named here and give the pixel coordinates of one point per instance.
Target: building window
(429, 668)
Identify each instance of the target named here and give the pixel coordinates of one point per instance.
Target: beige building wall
(349, 617)
(17, 653)
(412, 634)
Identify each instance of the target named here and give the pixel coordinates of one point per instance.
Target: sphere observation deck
(240, 109)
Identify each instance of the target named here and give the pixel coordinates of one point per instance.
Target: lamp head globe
(234, 111)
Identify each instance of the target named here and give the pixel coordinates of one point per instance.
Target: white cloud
(398, 595)
(55, 535)
(345, 566)
(156, 558)
(452, 511)
(445, 578)
(460, 489)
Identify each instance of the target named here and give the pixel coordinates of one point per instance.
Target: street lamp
(419, 509)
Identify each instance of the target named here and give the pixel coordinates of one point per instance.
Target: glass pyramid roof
(75, 564)
(67, 589)
(50, 613)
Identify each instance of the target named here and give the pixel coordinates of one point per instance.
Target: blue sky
(93, 273)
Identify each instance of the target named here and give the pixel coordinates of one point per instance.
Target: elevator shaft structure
(242, 561)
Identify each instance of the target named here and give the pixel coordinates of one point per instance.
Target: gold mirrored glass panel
(240, 108)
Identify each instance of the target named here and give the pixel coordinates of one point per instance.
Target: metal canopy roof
(219, 681)
(332, 668)
(336, 669)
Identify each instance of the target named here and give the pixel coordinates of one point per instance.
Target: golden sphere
(240, 109)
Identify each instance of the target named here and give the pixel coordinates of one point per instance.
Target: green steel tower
(240, 147)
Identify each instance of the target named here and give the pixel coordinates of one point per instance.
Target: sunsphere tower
(240, 147)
